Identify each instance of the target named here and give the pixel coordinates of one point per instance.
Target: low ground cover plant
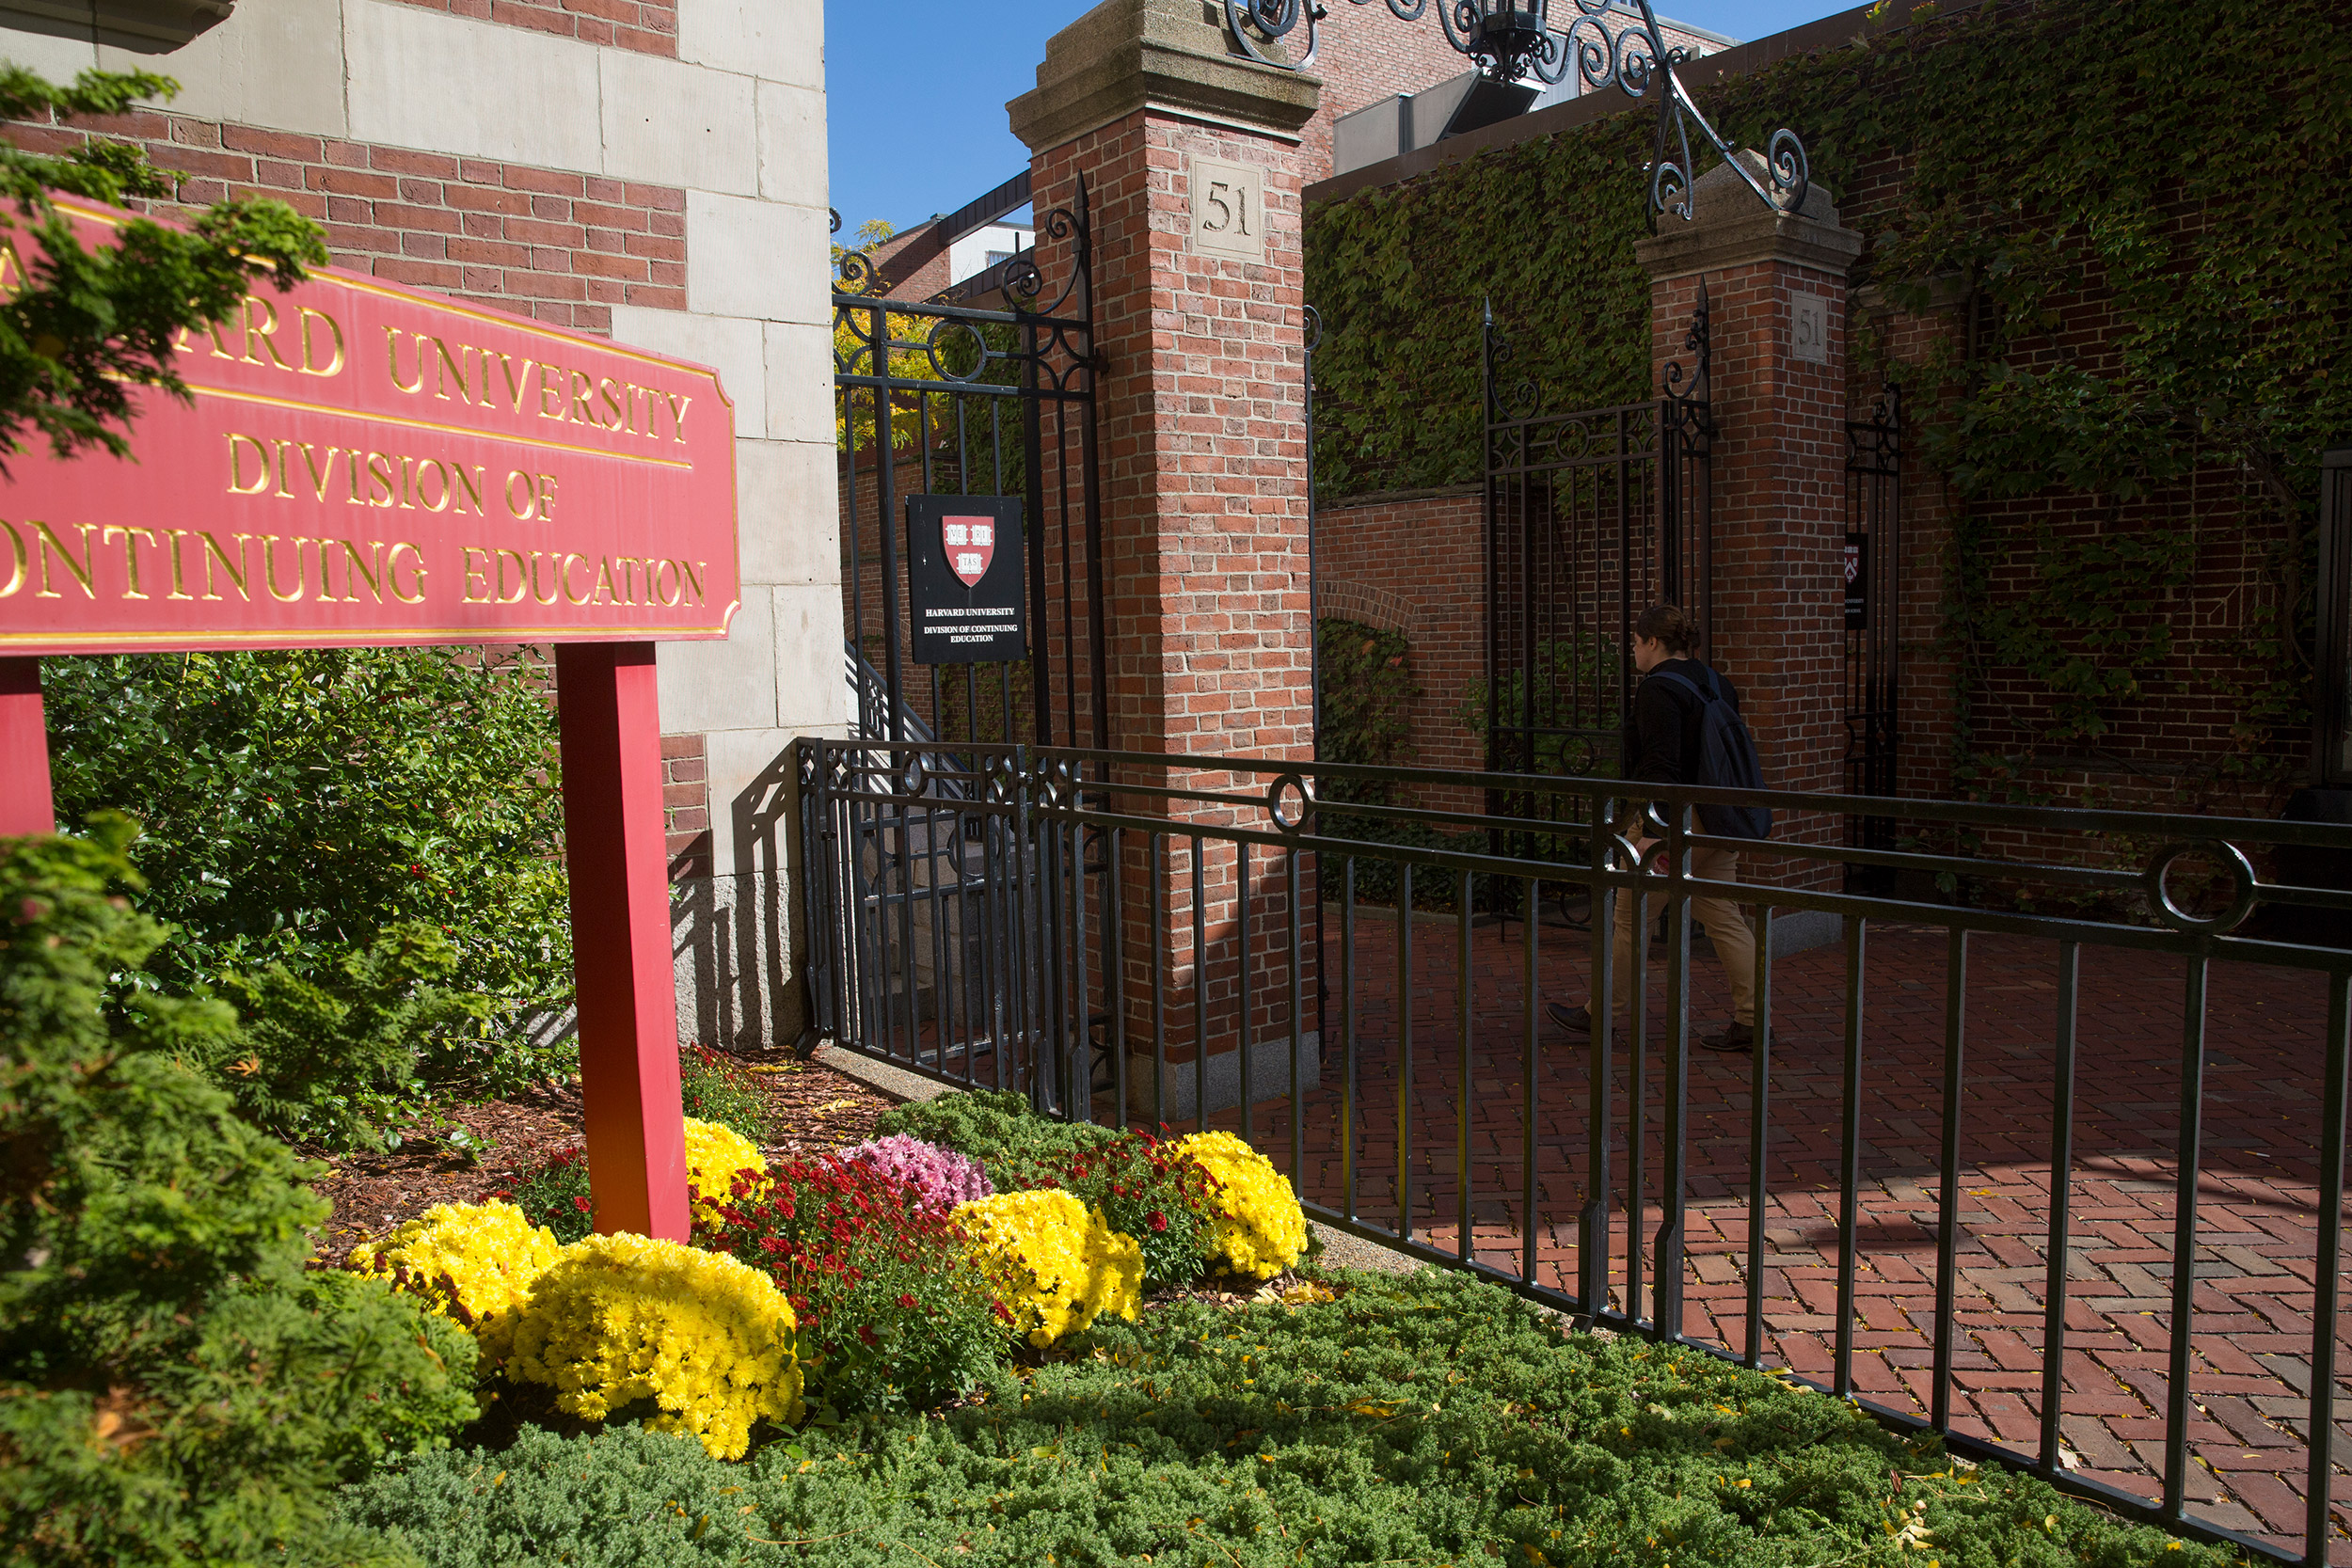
(1429, 1419)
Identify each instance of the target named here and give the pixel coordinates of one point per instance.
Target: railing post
(1591, 1224)
(1668, 1256)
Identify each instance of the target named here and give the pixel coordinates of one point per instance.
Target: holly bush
(173, 1387)
(365, 844)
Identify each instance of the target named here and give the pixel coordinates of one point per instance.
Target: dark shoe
(1576, 1021)
(1736, 1037)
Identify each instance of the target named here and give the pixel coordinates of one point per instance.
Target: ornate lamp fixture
(1608, 41)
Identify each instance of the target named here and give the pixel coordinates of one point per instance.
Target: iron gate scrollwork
(1592, 516)
(916, 953)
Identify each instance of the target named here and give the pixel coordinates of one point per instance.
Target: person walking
(1669, 742)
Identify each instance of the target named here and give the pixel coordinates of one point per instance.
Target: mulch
(814, 1108)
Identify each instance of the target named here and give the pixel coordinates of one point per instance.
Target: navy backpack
(1726, 759)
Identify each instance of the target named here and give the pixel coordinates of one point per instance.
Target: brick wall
(1416, 563)
(2160, 751)
(648, 26)
(686, 805)
(1203, 482)
(555, 246)
(1363, 56)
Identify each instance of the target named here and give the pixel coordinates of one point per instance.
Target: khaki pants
(1725, 926)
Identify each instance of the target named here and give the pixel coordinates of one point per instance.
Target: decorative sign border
(366, 465)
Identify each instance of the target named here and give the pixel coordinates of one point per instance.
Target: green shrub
(301, 808)
(1364, 702)
(173, 1388)
(331, 1054)
(1427, 1419)
(715, 1087)
(1161, 1200)
(986, 1124)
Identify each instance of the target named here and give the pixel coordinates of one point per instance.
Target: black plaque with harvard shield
(965, 585)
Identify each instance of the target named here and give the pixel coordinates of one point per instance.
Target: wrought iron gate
(1592, 515)
(917, 953)
(1874, 578)
(977, 403)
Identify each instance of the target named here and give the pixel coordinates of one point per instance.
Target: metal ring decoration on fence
(804, 764)
(914, 776)
(1293, 783)
(2241, 878)
(940, 329)
(996, 780)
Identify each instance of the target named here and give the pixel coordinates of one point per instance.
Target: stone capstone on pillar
(1169, 54)
(1731, 225)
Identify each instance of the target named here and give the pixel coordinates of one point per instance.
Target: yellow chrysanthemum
(475, 1262)
(623, 1318)
(1057, 1264)
(713, 1155)
(1258, 1229)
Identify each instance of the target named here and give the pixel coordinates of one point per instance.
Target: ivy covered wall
(2107, 259)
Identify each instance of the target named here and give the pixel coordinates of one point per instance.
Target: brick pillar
(1190, 158)
(1775, 286)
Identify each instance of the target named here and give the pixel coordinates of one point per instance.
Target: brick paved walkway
(2257, 1226)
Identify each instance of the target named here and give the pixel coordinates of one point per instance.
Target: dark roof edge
(1830, 32)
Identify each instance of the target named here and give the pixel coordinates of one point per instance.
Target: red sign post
(367, 465)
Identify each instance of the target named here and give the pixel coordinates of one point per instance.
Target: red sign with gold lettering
(365, 465)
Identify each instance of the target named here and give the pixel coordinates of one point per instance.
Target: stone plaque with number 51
(1228, 210)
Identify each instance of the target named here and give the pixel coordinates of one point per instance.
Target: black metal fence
(1076, 924)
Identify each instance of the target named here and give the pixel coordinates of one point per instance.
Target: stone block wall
(649, 26)
(648, 171)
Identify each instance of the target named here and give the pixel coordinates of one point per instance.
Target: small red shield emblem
(971, 544)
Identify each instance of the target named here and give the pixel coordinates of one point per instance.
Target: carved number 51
(1236, 212)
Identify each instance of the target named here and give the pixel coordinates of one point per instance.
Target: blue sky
(917, 120)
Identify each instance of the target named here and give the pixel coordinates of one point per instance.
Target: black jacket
(1661, 745)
